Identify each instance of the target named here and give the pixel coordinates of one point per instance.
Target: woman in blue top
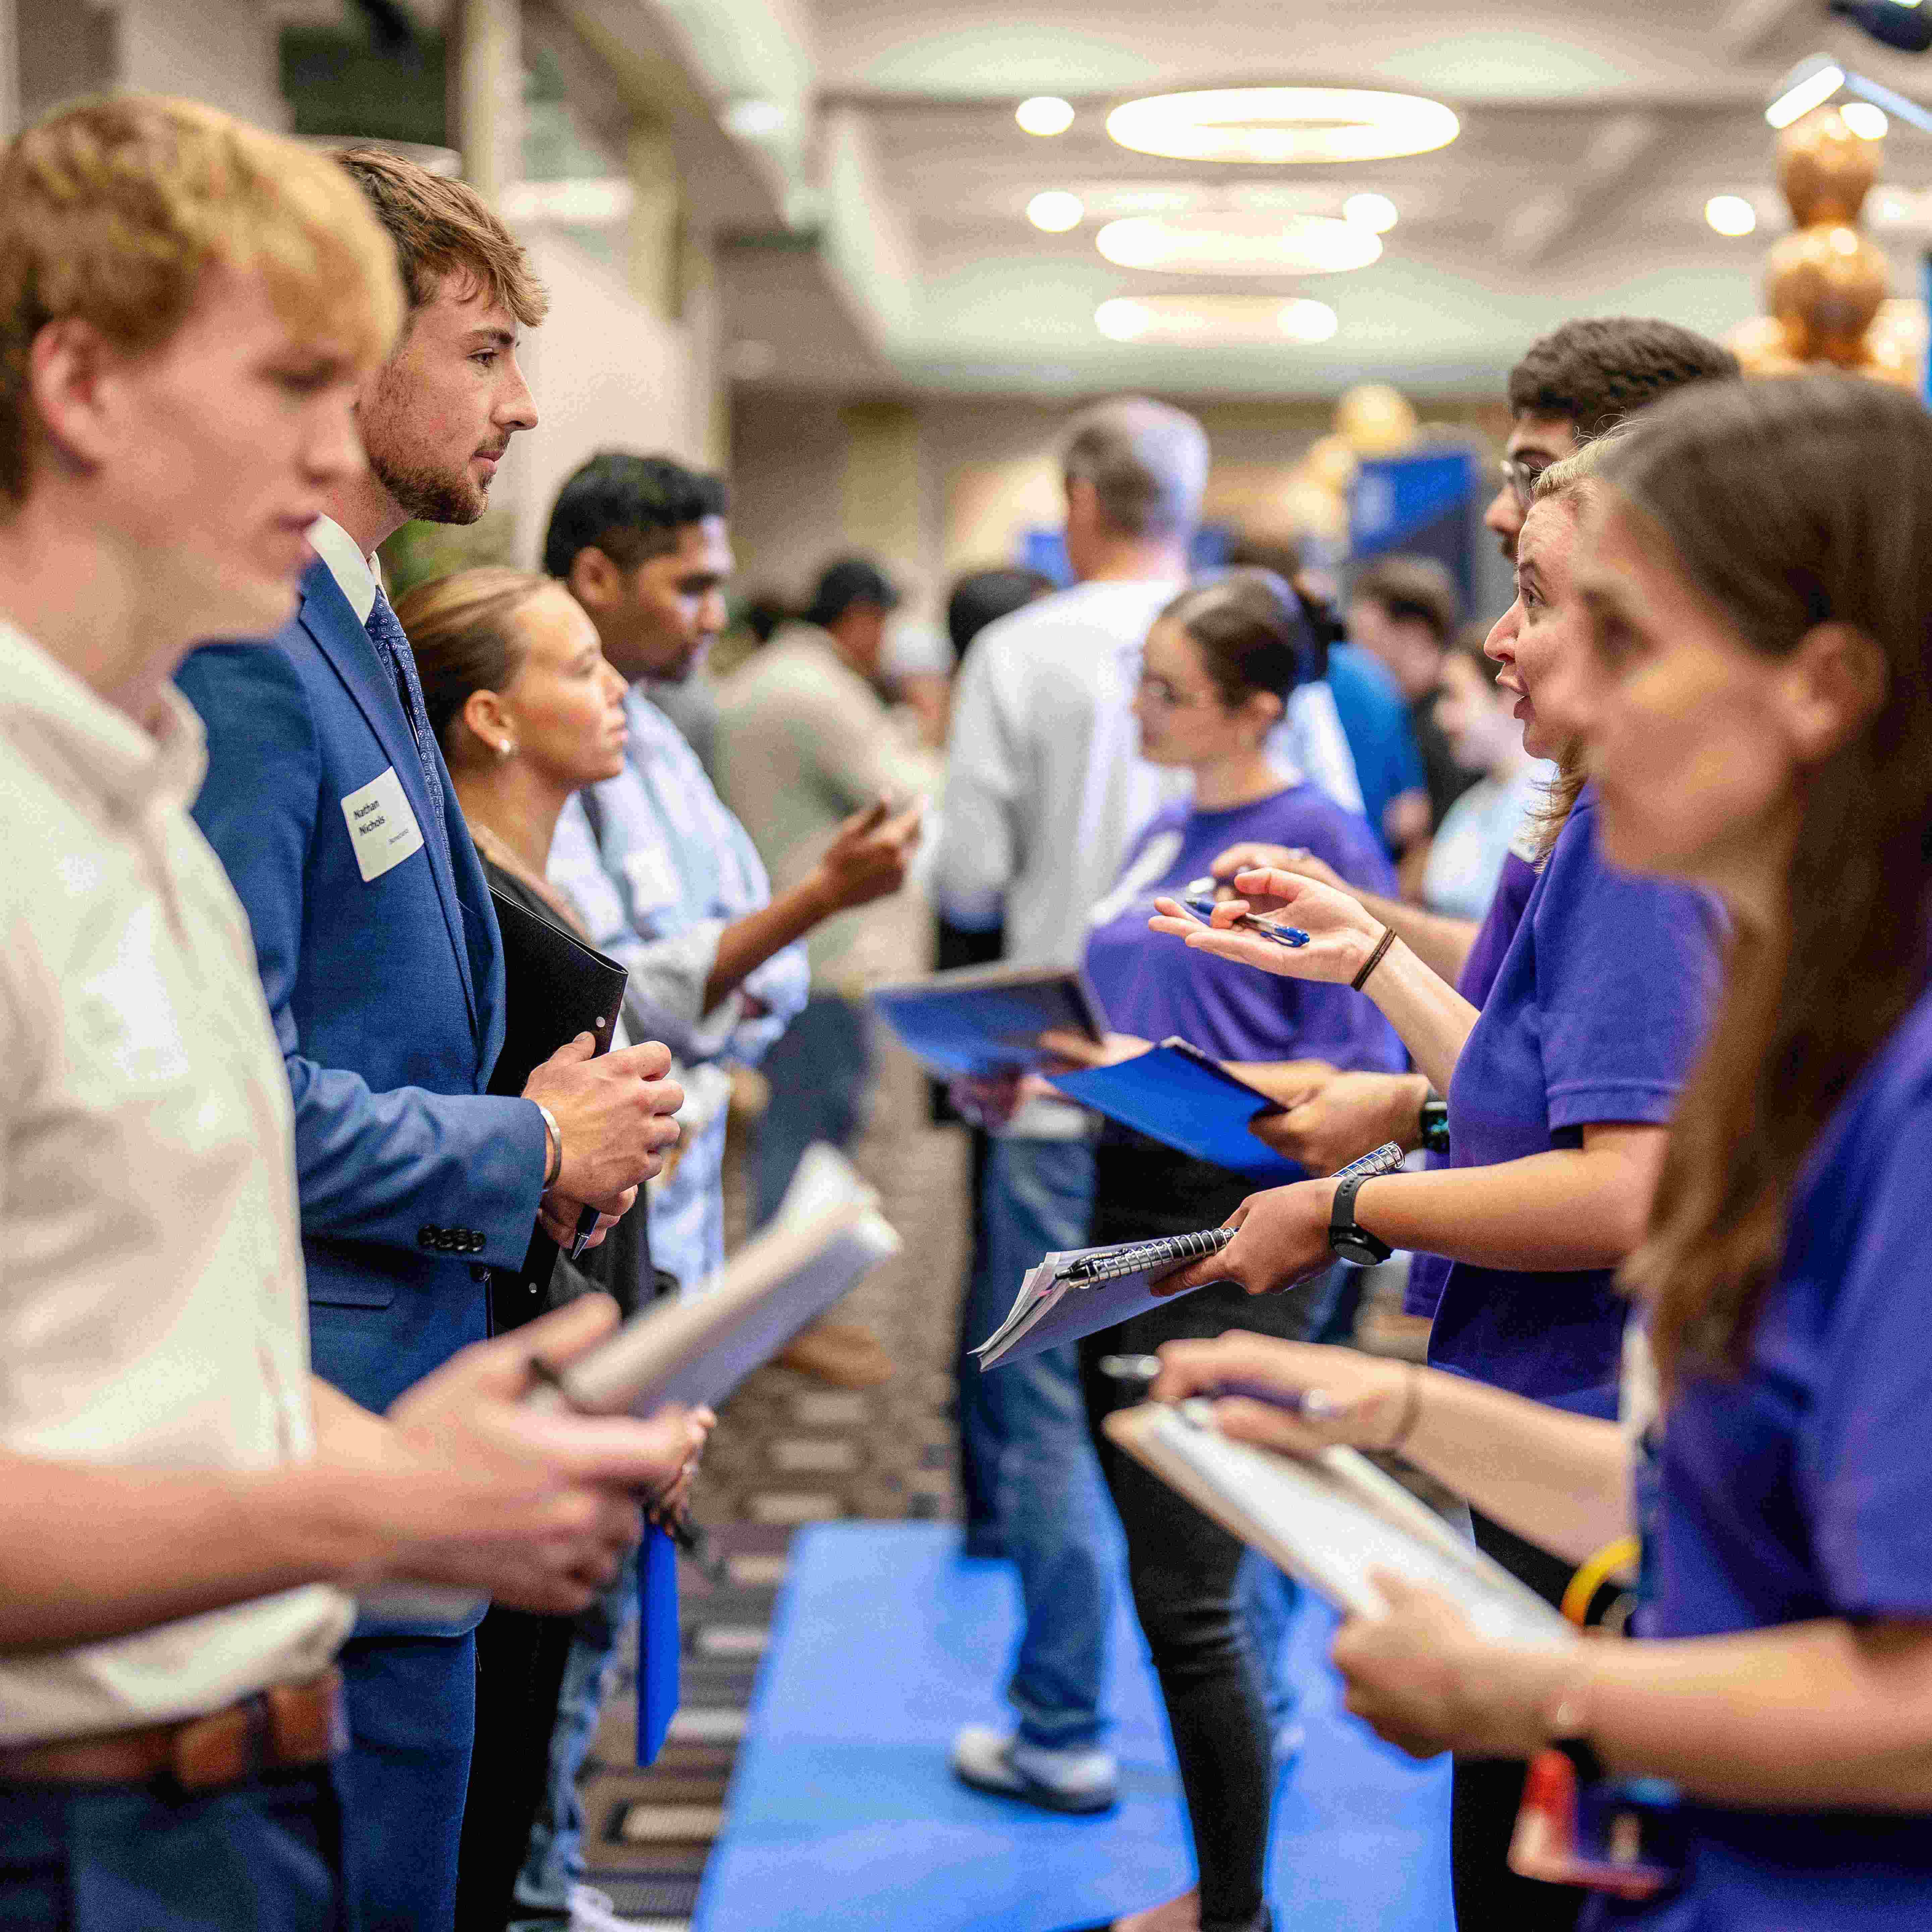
(1218, 667)
(1759, 710)
(1558, 1091)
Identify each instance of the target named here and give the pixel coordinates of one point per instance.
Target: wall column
(486, 93)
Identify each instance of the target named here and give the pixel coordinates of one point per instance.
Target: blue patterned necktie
(392, 646)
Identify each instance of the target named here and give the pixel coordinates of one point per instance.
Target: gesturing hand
(868, 860)
(1282, 1238)
(614, 1114)
(1341, 934)
(1295, 859)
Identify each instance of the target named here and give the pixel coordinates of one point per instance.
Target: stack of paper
(1332, 1522)
(1052, 1308)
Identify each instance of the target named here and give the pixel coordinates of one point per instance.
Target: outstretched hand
(1341, 933)
(1296, 858)
(868, 859)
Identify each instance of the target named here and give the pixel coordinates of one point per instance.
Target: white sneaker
(1082, 1780)
(594, 1911)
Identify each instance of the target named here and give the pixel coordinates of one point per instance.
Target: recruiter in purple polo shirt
(1755, 709)
(1558, 1092)
(1218, 665)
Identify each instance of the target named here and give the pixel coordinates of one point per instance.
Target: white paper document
(1331, 1521)
(1053, 1306)
(828, 1235)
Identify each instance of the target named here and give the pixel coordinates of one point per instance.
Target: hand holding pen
(1255, 930)
(1296, 1397)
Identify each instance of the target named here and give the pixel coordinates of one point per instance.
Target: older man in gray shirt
(1045, 787)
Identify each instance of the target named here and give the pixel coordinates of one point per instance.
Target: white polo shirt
(152, 1307)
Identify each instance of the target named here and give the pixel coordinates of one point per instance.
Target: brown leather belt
(284, 1728)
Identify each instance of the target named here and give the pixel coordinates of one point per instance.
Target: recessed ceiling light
(1238, 244)
(1044, 114)
(1375, 212)
(1056, 211)
(752, 118)
(1865, 120)
(1214, 321)
(1730, 214)
(1278, 125)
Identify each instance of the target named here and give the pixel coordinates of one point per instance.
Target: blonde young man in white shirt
(187, 307)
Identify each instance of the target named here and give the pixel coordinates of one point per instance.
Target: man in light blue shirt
(663, 874)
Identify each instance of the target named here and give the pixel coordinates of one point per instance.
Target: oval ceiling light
(1214, 321)
(1278, 125)
(1730, 214)
(1865, 120)
(1375, 212)
(1238, 244)
(1044, 114)
(1056, 211)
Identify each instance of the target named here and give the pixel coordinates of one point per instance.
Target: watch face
(1352, 1248)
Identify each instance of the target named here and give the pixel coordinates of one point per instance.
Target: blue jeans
(262, 1856)
(554, 1862)
(1051, 1510)
(819, 1068)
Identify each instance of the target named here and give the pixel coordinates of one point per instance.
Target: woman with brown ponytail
(1756, 713)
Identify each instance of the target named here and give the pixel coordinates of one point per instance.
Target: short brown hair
(462, 629)
(112, 210)
(1597, 370)
(1415, 589)
(441, 226)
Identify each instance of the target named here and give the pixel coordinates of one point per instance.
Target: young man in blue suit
(329, 802)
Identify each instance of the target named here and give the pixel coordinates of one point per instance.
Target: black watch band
(1435, 1124)
(1352, 1242)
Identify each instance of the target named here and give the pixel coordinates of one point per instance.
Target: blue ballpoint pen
(1199, 899)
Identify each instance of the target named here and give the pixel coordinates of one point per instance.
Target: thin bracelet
(553, 1146)
(1374, 959)
(1411, 1410)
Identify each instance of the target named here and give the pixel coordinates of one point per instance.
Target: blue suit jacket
(387, 997)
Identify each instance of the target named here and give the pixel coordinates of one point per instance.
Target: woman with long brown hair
(1559, 1088)
(1757, 715)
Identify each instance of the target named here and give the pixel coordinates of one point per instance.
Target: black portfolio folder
(556, 987)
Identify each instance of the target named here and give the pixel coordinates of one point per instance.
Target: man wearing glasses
(1573, 384)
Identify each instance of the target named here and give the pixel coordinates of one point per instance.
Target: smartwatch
(1435, 1124)
(1352, 1242)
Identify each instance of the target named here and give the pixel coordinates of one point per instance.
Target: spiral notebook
(1084, 1290)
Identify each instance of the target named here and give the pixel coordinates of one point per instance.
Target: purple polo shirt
(1801, 1488)
(1597, 1010)
(1153, 987)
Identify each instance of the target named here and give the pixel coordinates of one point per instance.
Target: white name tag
(382, 827)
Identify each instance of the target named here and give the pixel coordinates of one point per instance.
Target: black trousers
(1182, 1565)
(520, 1663)
(1489, 1791)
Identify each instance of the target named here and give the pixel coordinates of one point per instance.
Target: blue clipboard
(1174, 1092)
(659, 1642)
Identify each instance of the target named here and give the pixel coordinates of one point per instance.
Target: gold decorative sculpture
(1826, 282)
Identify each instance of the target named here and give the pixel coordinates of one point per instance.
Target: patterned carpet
(789, 1451)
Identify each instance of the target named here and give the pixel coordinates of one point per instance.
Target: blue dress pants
(262, 1856)
(412, 1720)
(1051, 1513)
